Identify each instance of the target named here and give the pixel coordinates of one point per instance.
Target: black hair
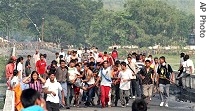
(77, 65)
(137, 57)
(45, 55)
(72, 61)
(29, 96)
(62, 61)
(52, 72)
(54, 62)
(162, 57)
(129, 57)
(28, 56)
(41, 55)
(147, 61)
(105, 52)
(186, 57)
(32, 80)
(56, 53)
(105, 61)
(139, 105)
(155, 58)
(123, 63)
(150, 56)
(15, 72)
(92, 64)
(117, 62)
(87, 64)
(61, 56)
(182, 54)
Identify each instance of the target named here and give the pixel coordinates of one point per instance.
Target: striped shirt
(36, 85)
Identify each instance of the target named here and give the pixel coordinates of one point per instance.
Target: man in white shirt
(52, 88)
(105, 86)
(36, 57)
(125, 76)
(62, 53)
(188, 65)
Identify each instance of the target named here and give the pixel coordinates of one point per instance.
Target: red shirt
(41, 66)
(9, 70)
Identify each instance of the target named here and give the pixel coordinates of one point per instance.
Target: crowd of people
(80, 76)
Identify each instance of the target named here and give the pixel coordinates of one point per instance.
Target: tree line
(86, 22)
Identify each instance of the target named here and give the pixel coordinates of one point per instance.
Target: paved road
(153, 106)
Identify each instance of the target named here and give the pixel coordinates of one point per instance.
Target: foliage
(85, 22)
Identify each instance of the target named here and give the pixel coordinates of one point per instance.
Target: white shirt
(73, 73)
(20, 68)
(68, 58)
(36, 57)
(14, 81)
(62, 53)
(54, 87)
(187, 64)
(107, 73)
(79, 53)
(127, 74)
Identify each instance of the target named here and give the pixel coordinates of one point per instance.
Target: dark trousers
(52, 106)
(133, 87)
(115, 93)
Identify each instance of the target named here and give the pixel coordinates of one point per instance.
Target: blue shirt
(33, 108)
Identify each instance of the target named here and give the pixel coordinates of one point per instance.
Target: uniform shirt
(105, 73)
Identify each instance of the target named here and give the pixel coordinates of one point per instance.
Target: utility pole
(42, 29)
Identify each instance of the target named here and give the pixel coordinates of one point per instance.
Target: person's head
(29, 57)
(137, 57)
(162, 59)
(98, 65)
(105, 64)
(61, 56)
(12, 59)
(62, 50)
(150, 56)
(72, 63)
(20, 59)
(115, 67)
(92, 64)
(139, 105)
(115, 48)
(54, 63)
(62, 63)
(123, 65)
(117, 63)
(45, 56)
(41, 57)
(134, 55)
(69, 52)
(52, 76)
(182, 55)
(78, 67)
(86, 66)
(156, 60)
(147, 63)
(186, 57)
(74, 53)
(105, 53)
(34, 76)
(129, 59)
(30, 97)
(92, 59)
(56, 54)
(15, 72)
(37, 51)
(143, 57)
